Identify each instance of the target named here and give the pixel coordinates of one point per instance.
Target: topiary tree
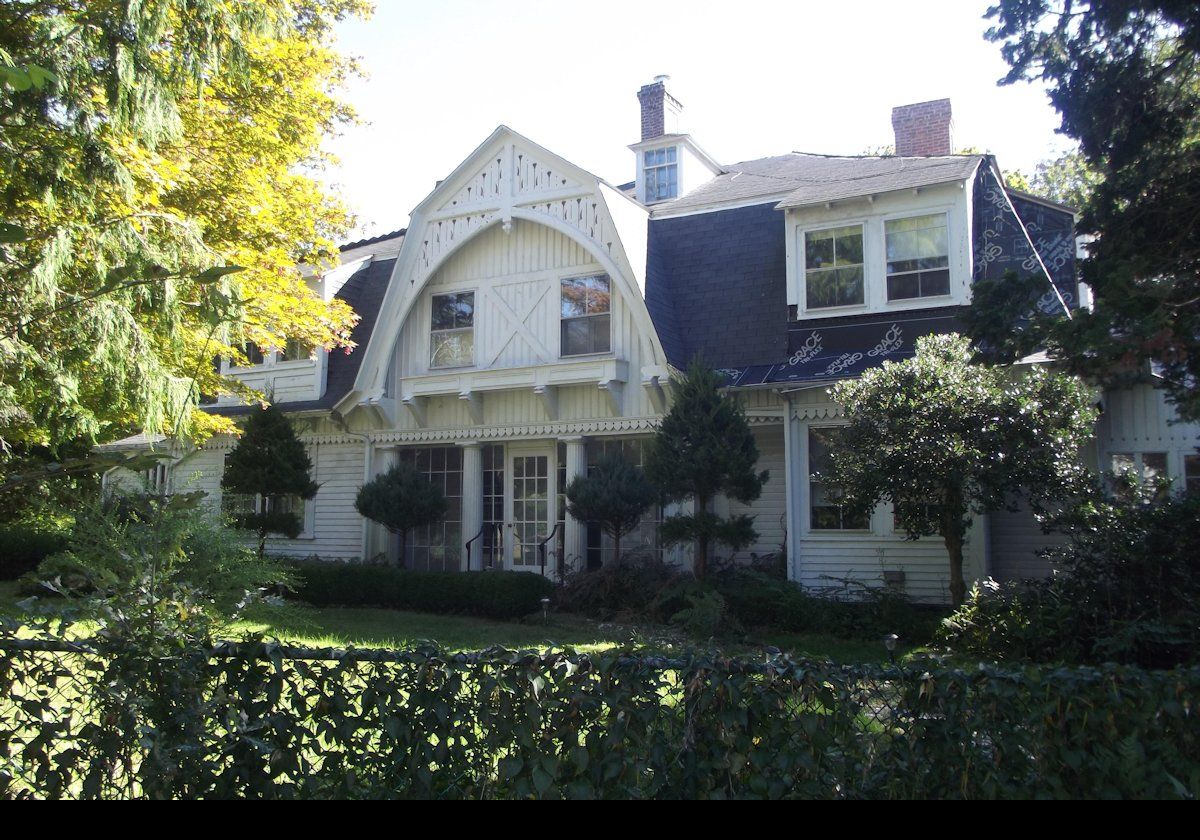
(401, 499)
(614, 495)
(269, 465)
(703, 448)
(943, 439)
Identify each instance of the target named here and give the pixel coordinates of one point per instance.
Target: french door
(531, 508)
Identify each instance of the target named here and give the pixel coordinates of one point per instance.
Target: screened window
(918, 257)
(826, 510)
(452, 330)
(586, 315)
(661, 169)
(833, 267)
(437, 547)
(296, 351)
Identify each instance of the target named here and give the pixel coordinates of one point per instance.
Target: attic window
(833, 267)
(918, 263)
(661, 174)
(586, 316)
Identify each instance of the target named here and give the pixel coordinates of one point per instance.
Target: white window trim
(802, 257)
(429, 330)
(611, 296)
(807, 530)
(942, 300)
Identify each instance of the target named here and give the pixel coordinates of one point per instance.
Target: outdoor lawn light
(545, 608)
(889, 642)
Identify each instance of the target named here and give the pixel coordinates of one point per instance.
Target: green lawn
(361, 627)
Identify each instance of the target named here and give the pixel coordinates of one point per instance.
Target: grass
(363, 627)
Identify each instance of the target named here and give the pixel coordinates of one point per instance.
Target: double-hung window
(1191, 473)
(826, 509)
(833, 267)
(586, 315)
(918, 257)
(452, 330)
(661, 171)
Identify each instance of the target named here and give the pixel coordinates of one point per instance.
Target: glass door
(531, 495)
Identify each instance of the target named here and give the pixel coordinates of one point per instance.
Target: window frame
(660, 167)
(562, 320)
(807, 512)
(895, 217)
(474, 293)
(308, 517)
(863, 225)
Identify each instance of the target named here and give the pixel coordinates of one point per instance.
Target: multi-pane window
(155, 479)
(826, 509)
(1191, 473)
(918, 257)
(437, 547)
(586, 315)
(493, 505)
(661, 170)
(833, 267)
(247, 504)
(452, 330)
(254, 353)
(296, 351)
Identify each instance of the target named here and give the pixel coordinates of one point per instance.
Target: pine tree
(614, 495)
(270, 465)
(401, 499)
(704, 448)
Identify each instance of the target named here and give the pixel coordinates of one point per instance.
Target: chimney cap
(662, 77)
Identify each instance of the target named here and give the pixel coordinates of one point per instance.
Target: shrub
(401, 499)
(498, 595)
(757, 600)
(1130, 593)
(23, 547)
(634, 589)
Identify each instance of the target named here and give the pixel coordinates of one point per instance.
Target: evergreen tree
(401, 499)
(269, 465)
(614, 495)
(704, 448)
(942, 439)
(1125, 78)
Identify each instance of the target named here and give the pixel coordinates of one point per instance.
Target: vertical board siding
(769, 510)
(1016, 540)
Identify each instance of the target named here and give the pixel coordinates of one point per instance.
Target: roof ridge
(359, 243)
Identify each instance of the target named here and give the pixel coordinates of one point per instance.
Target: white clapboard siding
(1016, 541)
(769, 510)
(827, 562)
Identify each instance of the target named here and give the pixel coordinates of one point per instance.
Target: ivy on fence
(266, 721)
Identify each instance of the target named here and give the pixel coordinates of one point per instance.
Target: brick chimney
(921, 129)
(660, 110)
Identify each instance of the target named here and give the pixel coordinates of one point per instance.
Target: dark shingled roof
(383, 237)
(800, 178)
(364, 292)
(716, 285)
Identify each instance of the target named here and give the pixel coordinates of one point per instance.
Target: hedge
(23, 547)
(498, 595)
(256, 720)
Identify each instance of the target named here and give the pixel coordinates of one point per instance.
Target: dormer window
(918, 257)
(661, 174)
(296, 351)
(833, 267)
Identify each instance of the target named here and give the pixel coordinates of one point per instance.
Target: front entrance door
(531, 497)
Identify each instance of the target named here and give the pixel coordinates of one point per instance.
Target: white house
(531, 316)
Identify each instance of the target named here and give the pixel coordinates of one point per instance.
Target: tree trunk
(700, 561)
(617, 547)
(953, 532)
(403, 549)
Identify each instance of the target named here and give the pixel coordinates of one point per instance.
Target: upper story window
(586, 315)
(452, 330)
(296, 351)
(1191, 473)
(254, 353)
(918, 257)
(833, 267)
(661, 173)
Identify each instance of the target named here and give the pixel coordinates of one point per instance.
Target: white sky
(755, 78)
